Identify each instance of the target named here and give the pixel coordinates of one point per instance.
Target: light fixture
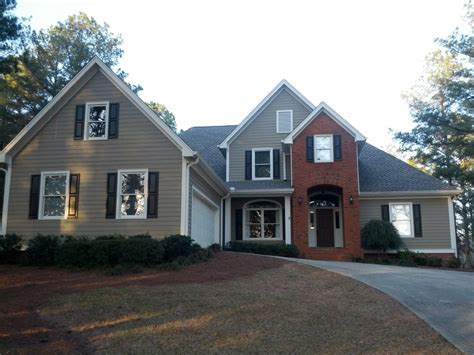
(351, 200)
(300, 200)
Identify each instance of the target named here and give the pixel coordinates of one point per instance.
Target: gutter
(427, 193)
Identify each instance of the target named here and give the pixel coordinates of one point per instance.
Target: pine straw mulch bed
(233, 303)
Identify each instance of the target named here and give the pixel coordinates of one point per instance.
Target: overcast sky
(211, 62)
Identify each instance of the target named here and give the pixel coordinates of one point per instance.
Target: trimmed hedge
(264, 248)
(108, 251)
(10, 248)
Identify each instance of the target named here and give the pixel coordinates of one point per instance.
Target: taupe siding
(140, 145)
(205, 187)
(434, 219)
(261, 133)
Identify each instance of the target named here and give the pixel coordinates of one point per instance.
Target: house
(96, 160)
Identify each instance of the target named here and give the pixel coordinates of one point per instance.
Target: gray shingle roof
(205, 140)
(378, 170)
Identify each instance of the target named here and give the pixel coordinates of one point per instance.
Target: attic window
(97, 116)
(284, 121)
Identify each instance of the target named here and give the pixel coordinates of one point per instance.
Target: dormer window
(97, 120)
(284, 121)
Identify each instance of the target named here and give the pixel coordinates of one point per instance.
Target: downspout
(186, 212)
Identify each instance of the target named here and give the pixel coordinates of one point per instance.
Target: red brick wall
(341, 173)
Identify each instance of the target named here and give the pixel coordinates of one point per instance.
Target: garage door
(204, 221)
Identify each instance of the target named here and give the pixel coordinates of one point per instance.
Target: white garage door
(204, 221)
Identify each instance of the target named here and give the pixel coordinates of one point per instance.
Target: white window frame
(66, 199)
(118, 213)
(86, 121)
(316, 150)
(270, 150)
(412, 222)
(277, 124)
(279, 210)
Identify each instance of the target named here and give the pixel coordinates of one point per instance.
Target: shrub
(10, 248)
(42, 250)
(264, 248)
(434, 261)
(88, 253)
(380, 236)
(454, 263)
(178, 245)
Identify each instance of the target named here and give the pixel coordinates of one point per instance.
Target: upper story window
(284, 121)
(53, 195)
(323, 148)
(97, 120)
(262, 168)
(401, 216)
(132, 193)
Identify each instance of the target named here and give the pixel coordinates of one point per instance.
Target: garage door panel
(203, 221)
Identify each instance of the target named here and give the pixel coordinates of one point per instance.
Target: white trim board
(121, 86)
(252, 115)
(405, 194)
(324, 107)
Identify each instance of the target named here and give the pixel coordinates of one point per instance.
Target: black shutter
(113, 120)
(276, 164)
(238, 224)
(337, 147)
(310, 149)
(79, 122)
(153, 183)
(417, 221)
(73, 207)
(34, 196)
(111, 202)
(385, 213)
(248, 165)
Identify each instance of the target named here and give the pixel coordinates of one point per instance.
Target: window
(97, 119)
(401, 217)
(132, 194)
(284, 121)
(54, 191)
(323, 148)
(262, 220)
(262, 168)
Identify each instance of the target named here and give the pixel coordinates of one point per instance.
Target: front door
(325, 228)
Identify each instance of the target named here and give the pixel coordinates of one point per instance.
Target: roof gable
(264, 103)
(324, 107)
(22, 139)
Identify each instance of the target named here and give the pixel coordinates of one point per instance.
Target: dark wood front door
(325, 228)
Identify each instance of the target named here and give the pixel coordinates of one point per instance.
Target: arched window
(324, 200)
(262, 220)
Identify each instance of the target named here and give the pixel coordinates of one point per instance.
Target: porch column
(227, 218)
(287, 219)
(6, 196)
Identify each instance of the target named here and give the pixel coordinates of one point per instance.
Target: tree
(10, 27)
(441, 105)
(166, 115)
(46, 61)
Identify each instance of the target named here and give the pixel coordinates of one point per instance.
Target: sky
(211, 62)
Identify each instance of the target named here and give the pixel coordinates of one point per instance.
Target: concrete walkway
(443, 298)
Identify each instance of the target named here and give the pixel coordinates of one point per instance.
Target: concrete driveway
(443, 298)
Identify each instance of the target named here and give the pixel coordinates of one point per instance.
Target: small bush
(380, 236)
(42, 250)
(454, 263)
(178, 245)
(10, 248)
(434, 261)
(263, 248)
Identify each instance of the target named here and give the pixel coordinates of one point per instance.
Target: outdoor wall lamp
(300, 200)
(351, 200)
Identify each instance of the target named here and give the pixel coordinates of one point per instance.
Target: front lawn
(233, 303)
